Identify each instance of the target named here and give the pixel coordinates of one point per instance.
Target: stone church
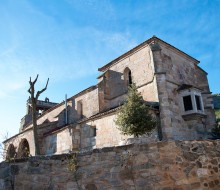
(169, 80)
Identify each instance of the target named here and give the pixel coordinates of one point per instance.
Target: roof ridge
(152, 39)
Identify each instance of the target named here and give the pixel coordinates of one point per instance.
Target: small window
(94, 132)
(187, 101)
(192, 102)
(198, 102)
(80, 109)
(129, 78)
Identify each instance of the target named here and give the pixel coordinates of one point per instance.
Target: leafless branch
(39, 92)
(32, 85)
(35, 80)
(29, 90)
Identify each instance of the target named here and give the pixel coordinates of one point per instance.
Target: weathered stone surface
(4, 172)
(190, 156)
(127, 167)
(14, 169)
(91, 187)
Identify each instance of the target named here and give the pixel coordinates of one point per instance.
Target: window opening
(80, 108)
(129, 78)
(198, 102)
(11, 153)
(187, 101)
(94, 132)
(24, 150)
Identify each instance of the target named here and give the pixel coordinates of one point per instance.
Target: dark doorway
(23, 150)
(11, 153)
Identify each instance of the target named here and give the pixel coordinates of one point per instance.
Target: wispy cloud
(60, 59)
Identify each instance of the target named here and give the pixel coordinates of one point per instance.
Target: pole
(66, 109)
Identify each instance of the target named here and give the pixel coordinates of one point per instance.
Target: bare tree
(34, 99)
(2, 147)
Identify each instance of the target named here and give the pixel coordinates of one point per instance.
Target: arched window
(11, 153)
(127, 76)
(23, 150)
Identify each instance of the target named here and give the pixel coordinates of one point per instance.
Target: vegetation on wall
(216, 130)
(217, 113)
(3, 151)
(72, 166)
(134, 117)
(127, 165)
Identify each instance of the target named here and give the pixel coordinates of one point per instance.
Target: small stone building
(170, 81)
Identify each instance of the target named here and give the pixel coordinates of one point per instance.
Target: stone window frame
(128, 76)
(192, 92)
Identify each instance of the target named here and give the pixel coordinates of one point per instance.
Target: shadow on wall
(48, 130)
(88, 136)
(116, 83)
(51, 144)
(50, 139)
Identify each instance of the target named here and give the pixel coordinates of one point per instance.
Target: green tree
(216, 131)
(134, 117)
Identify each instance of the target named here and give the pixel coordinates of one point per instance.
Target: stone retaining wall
(179, 165)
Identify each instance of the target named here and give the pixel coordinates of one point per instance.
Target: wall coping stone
(109, 149)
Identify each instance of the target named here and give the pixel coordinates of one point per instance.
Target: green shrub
(134, 117)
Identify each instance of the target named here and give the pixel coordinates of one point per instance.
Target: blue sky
(68, 40)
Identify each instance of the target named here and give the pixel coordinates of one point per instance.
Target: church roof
(152, 39)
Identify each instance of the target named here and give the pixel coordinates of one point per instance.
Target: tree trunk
(34, 122)
(34, 112)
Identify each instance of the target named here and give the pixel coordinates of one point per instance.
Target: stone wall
(90, 103)
(174, 69)
(107, 133)
(52, 115)
(114, 83)
(181, 165)
(61, 141)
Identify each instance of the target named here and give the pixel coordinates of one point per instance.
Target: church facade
(169, 80)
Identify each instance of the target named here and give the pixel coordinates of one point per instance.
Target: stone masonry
(179, 165)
